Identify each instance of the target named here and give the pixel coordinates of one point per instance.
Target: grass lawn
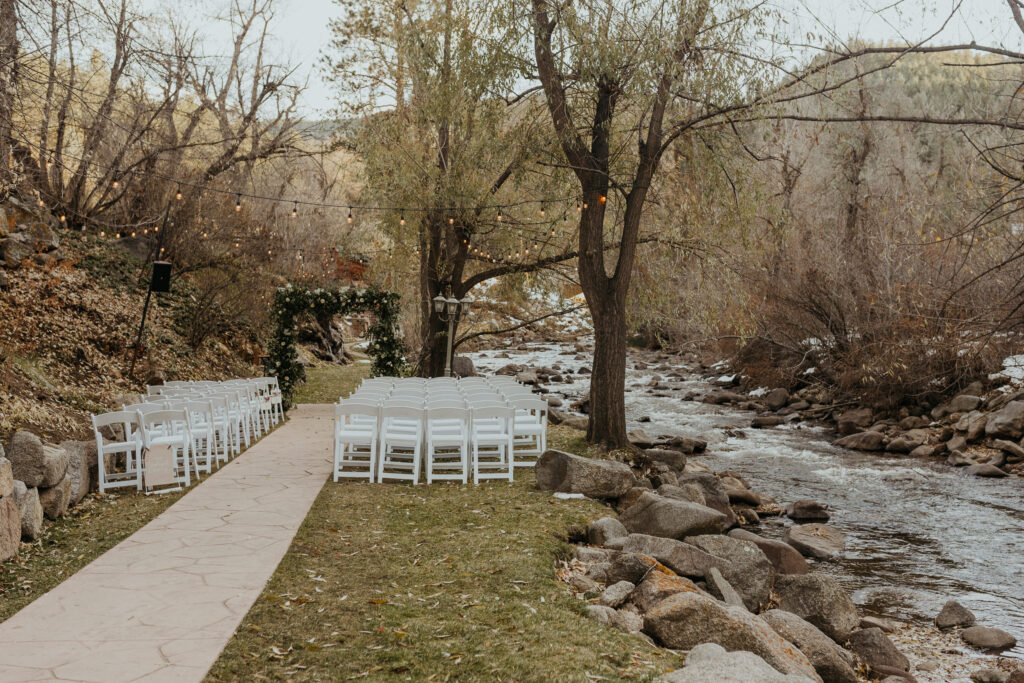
(440, 582)
(66, 545)
(328, 383)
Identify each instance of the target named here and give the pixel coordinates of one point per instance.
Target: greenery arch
(385, 345)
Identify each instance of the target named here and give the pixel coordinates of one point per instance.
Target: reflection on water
(918, 532)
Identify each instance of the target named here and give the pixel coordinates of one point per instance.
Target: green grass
(328, 383)
(440, 582)
(92, 527)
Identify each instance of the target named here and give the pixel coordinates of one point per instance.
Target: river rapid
(918, 532)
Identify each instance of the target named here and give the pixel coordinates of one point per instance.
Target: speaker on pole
(161, 281)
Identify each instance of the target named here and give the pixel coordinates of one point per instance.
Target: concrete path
(162, 604)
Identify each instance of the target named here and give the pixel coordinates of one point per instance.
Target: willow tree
(422, 85)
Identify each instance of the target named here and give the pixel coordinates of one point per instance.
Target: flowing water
(918, 532)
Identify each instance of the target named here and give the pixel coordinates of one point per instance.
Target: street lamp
(449, 309)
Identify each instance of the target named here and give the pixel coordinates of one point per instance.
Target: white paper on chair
(159, 466)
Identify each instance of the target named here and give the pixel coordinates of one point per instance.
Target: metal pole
(448, 355)
(149, 294)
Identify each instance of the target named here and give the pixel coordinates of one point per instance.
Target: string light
(238, 202)
(602, 199)
(578, 209)
(41, 202)
(295, 211)
(499, 216)
(542, 209)
(64, 219)
(116, 184)
(178, 195)
(49, 163)
(350, 215)
(401, 220)
(451, 220)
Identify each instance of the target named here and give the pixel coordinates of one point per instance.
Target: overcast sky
(301, 32)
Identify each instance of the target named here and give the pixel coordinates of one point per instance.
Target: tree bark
(607, 425)
(8, 78)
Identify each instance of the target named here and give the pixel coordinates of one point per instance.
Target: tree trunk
(435, 346)
(8, 72)
(607, 424)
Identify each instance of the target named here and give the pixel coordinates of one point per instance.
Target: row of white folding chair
(141, 430)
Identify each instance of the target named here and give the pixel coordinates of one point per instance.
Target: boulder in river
(657, 516)
(715, 495)
(863, 441)
(985, 470)
(569, 473)
(687, 444)
(853, 420)
(711, 663)
(954, 614)
(807, 510)
(986, 638)
(685, 620)
(828, 659)
(820, 541)
(820, 600)
(875, 648)
(674, 459)
(776, 398)
(785, 558)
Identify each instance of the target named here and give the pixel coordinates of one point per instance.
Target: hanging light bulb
(238, 202)
(103, 233)
(116, 184)
(350, 215)
(41, 202)
(117, 235)
(542, 209)
(295, 210)
(64, 219)
(401, 220)
(499, 215)
(49, 163)
(451, 220)
(585, 205)
(578, 209)
(178, 195)
(602, 199)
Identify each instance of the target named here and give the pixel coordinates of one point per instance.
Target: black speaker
(161, 281)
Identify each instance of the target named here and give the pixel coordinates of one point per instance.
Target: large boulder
(1007, 422)
(747, 568)
(25, 451)
(985, 470)
(616, 594)
(604, 530)
(568, 473)
(685, 620)
(632, 567)
(715, 495)
(6, 476)
(674, 459)
(954, 614)
(828, 659)
(55, 466)
(31, 511)
(807, 510)
(785, 558)
(985, 638)
(658, 516)
(10, 528)
(80, 454)
(690, 492)
(462, 366)
(875, 648)
(682, 558)
(55, 499)
(820, 600)
(863, 441)
(854, 420)
(776, 398)
(687, 444)
(711, 663)
(722, 589)
(657, 586)
(816, 540)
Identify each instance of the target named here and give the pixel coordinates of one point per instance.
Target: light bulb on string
(295, 210)
(64, 219)
(451, 220)
(103, 233)
(602, 199)
(116, 183)
(117, 235)
(499, 216)
(178, 195)
(49, 163)
(238, 202)
(401, 219)
(41, 202)
(578, 208)
(542, 209)
(350, 215)
(585, 205)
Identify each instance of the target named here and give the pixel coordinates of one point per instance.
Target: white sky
(301, 32)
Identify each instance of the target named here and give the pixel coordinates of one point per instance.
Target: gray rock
(875, 648)
(10, 528)
(985, 638)
(55, 466)
(632, 567)
(958, 459)
(605, 529)
(853, 421)
(568, 473)
(462, 366)
(887, 625)
(601, 614)
(746, 567)
(616, 594)
(79, 457)
(55, 499)
(762, 421)
(715, 495)
(807, 510)
(31, 512)
(658, 516)
(628, 619)
(25, 451)
(688, 492)
(863, 441)
(990, 676)
(599, 571)
(785, 558)
(1007, 422)
(985, 470)
(1011, 449)
(954, 614)
(828, 659)
(722, 589)
(657, 586)
(685, 620)
(590, 555)
(682, 558)
(776, 398)
(816, 540)
(674, 459)
(710, 663)
(687, 444)
(6, 478)
(820, 600)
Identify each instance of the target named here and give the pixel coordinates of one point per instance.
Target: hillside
(68, 318)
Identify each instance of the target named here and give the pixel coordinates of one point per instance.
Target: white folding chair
(530, 428)
(355, 439)
(128, 450)
(401, 442)
(492, 441)
(170, 428)
(447, 448)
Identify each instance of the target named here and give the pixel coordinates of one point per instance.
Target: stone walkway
(162, 604)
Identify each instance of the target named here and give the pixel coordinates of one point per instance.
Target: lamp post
(449, 309)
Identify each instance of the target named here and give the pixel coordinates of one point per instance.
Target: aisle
(162, 604)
